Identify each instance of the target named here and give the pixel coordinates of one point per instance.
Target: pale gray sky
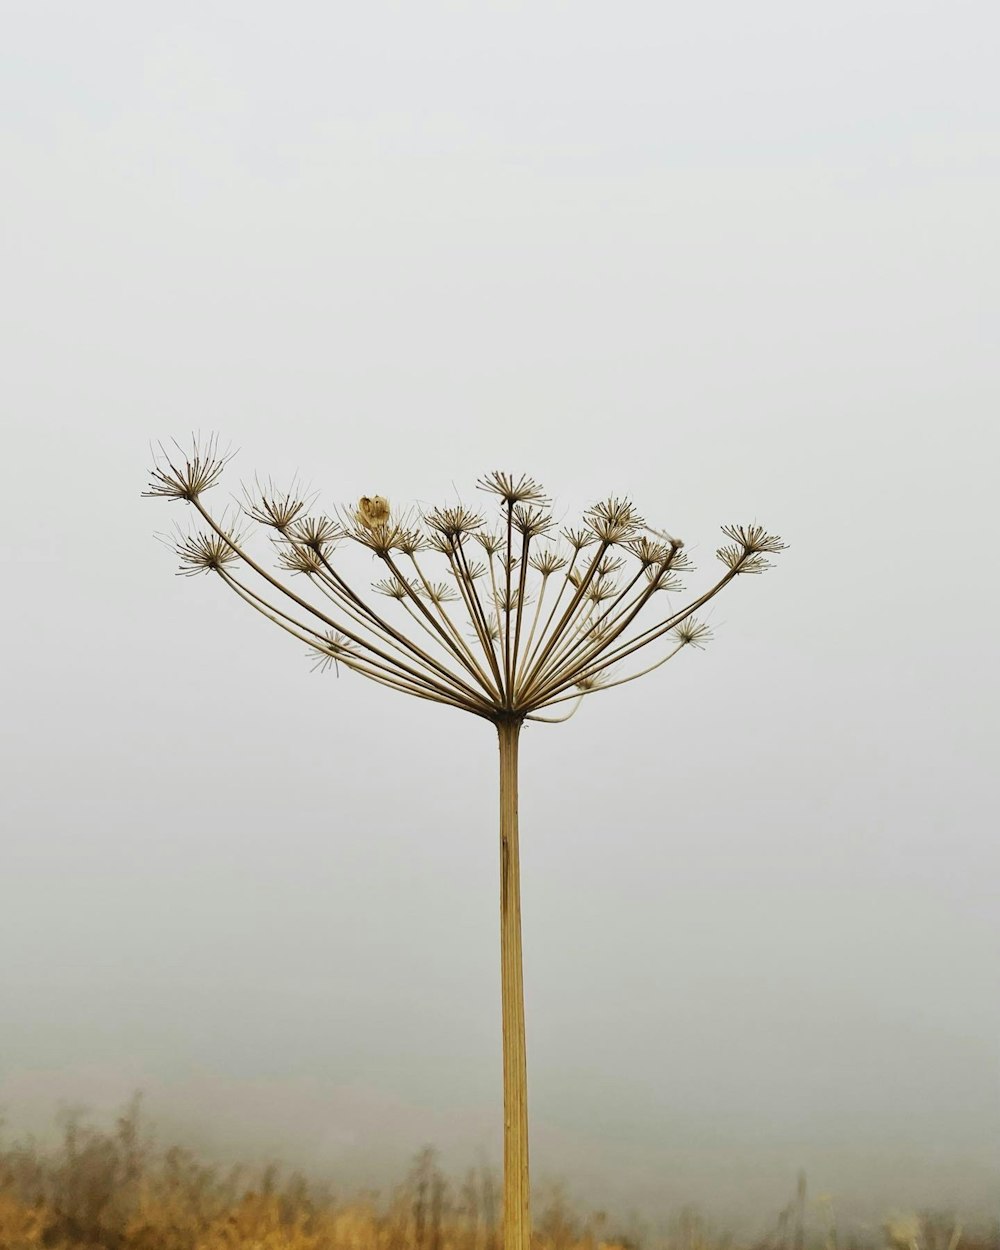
(737, 261)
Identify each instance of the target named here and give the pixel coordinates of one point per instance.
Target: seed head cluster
(501, 615)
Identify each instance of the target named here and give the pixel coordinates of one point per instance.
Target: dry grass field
(115, 1190)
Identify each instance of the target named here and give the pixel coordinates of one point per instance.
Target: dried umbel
(497, 615)
(536, 621)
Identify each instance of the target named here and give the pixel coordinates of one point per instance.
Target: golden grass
(114, 1190)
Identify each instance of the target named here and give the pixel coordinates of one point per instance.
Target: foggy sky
(736, 261)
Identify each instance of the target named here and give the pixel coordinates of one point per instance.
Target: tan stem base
(516, 1205)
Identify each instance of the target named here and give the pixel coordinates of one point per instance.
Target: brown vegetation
(116, 1191)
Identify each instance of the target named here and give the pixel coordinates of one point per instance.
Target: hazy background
(736, 260)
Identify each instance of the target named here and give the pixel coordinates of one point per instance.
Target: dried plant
(524, 625)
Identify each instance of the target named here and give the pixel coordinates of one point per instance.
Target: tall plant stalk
(525, 626)
(516, 1195)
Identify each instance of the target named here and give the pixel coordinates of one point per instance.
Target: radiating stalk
(516, 1206)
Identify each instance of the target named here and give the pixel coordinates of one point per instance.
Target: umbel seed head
(177, 474)
(504, 620)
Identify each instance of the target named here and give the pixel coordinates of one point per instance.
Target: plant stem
(516, 1207)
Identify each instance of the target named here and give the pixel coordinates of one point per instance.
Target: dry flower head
(504, 619)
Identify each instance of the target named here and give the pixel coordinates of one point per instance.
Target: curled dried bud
(372, 510)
